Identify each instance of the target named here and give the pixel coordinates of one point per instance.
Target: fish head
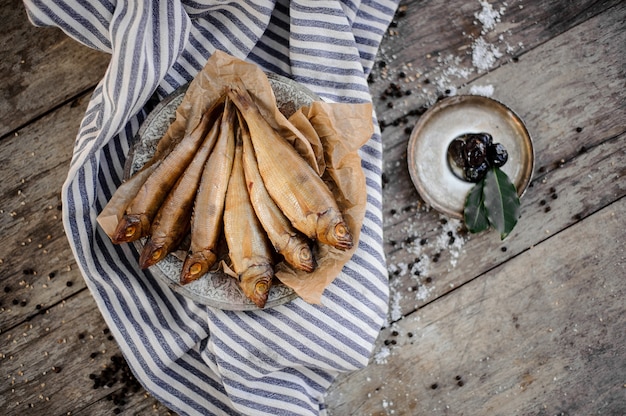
(256, 282)
(196, 265)
(299, 255)
(334, 230)
(153, 252)
(131, 228)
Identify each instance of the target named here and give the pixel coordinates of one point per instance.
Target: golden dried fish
(209, 203)
(140, 212)
(249, 248)
(287, 241)
(172, 221)
(114, 210)
(295, 187)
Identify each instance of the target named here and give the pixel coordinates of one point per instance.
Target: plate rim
(522, 182)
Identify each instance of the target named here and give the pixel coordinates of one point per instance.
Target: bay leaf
(474, 212)
(501, 201)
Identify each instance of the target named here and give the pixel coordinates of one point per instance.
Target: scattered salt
(421, 268)
(488, 17)
(423, 292)
(451, 72)
(484, 90)
(395, 310)
(484, 55)
(381, 356)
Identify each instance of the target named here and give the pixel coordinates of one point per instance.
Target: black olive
(497, 155)
(483, 137)
(456, 151)
(475, 152)
(476, 173)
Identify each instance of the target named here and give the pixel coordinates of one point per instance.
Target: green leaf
(501, 201)
(474, 213)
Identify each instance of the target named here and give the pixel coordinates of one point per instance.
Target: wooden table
(532, 325)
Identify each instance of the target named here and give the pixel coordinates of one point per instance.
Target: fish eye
(340, 230)
(305, 253)
(130, 231)
(261, 287)
(195, 268)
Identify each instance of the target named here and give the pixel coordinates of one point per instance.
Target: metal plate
(215, 288)
(450, 118)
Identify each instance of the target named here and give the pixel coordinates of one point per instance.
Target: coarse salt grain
(423, 293)
(488, 17)
(484, 90)
(484, 55)
(395, 311)
(381, 356)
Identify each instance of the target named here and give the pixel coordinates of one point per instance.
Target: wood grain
(430, 46)
(529, 325)
(40, 69)
(38, 267)
(541, 334)
(50, 361)
(558, 144)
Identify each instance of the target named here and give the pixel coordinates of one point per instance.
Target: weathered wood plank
(49, 320)
(48, 364)
(583, 185)
(560, 198)
(40, 68)
(433, 46)
(559, 75)
(542, 334)
(551, 107)
(38, 267)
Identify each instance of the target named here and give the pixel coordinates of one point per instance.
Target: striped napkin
(193, 358)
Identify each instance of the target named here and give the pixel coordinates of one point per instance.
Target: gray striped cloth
(193, 358)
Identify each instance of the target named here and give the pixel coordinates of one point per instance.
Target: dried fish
(114, 210)
(172, 221)
(208, 208)
(287, 241)
(295, 187)
(144, 206)
(249, 248)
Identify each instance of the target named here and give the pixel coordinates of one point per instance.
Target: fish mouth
(299, 255)
(261, 293)
(306, 259)
(129, 229)
(344, 245)
(151, 254)
(256, 283)
(196, 265)
(341, 237)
